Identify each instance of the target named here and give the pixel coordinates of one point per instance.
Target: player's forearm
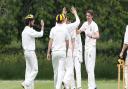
(77, 22)
(49, 47)
(95, 35)
(42, 33)
(49, 50)
(42, 28)
(125, 46)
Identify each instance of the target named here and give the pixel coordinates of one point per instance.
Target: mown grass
(48, 84)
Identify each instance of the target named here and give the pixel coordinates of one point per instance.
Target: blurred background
(110, 15)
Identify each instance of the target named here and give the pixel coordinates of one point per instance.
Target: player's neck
(89, 21)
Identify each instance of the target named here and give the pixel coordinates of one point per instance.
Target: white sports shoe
(23, 85)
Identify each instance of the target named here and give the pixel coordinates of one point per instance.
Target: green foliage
(7, 21)
(12, 62)
(110, 15)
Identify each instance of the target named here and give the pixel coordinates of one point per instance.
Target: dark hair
(27, 21)
(90, 12)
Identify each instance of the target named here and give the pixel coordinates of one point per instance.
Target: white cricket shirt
(71, 27)
(89, 29)
(126, 36)
(59, 34)
(28, 38)
(126, 39)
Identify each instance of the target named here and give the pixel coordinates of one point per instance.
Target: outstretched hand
(42, 22)
(73, 10)
(64, 11)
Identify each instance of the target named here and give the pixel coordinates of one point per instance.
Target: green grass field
(42, 84)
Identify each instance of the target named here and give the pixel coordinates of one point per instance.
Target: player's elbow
(97, 35)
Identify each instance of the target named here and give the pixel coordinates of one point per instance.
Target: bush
(12, 62)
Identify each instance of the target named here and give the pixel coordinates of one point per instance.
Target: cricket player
(125, 48)
(92, 34)
(28, 44)
(69, 75)
(57, 47)
(77, 59)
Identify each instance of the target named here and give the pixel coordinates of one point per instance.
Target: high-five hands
(73, 10)
(64, 11)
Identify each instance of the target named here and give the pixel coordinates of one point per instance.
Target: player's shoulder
(54, 27)
(94, 23)
(27, 28)
(85, 23)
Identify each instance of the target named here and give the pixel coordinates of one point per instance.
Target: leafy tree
(110, 15)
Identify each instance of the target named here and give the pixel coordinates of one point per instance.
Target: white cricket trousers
(58, 62)
(31, 69)
(77, 66)
(90, 58)
(126, 72)
(69, 72)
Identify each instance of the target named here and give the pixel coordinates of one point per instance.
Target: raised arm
(35, 33)
(64, 11)
(74, 25)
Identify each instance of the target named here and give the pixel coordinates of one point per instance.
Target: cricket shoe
(24, 86)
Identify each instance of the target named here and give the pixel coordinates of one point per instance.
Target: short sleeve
(126, 35)
(51, 34)
(83, 27)
(95, 28)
